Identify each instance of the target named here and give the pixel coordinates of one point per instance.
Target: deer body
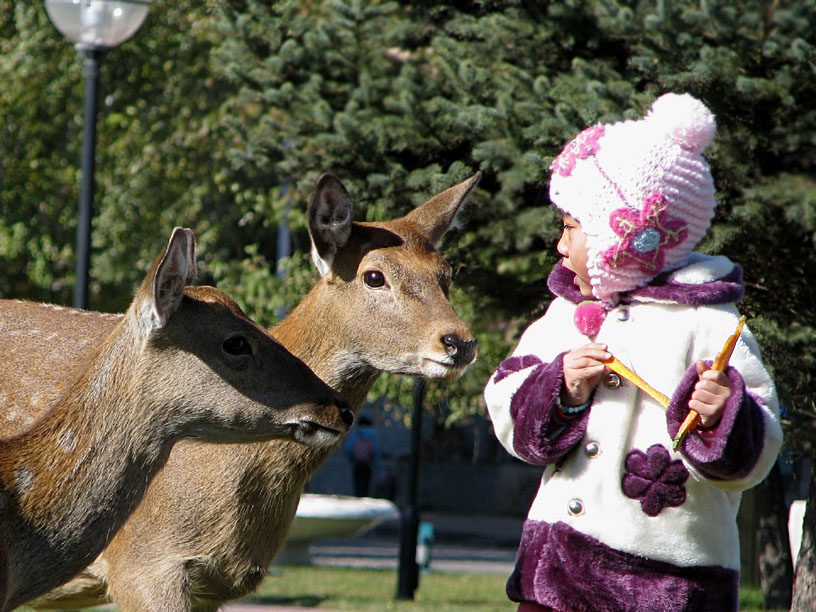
(142, 381)
(215, 516)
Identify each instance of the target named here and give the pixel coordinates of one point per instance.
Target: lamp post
(408, 570)
(95, 26)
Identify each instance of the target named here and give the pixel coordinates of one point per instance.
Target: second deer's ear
(175, 270)
(435, 217)
(330, 216)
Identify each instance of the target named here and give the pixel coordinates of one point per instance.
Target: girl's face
(572, 247)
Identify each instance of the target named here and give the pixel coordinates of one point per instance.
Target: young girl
(621, 521)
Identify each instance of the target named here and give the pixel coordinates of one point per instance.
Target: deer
(183, 362)
(214, 518)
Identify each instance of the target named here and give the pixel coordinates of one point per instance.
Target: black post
(91, 58)
(408, 578)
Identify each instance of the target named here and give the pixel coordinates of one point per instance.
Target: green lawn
(356, 590)
(360, 590)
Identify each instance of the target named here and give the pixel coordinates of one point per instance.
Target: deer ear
(174, 271)
(330, 216)
(435, 217)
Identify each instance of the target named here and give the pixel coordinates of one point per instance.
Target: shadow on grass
(301, 601)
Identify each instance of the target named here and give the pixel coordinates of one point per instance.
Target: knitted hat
(641, 190)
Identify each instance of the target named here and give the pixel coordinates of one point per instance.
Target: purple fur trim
(512, 365)
(565, 569)
(736, 444)
(559, 282)
(541, 435)
(725, 290)
(728, 289)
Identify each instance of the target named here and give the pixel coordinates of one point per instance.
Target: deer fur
(215, 516)
(179, 364)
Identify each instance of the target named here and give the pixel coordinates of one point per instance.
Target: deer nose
(346, 413)
(462, 351)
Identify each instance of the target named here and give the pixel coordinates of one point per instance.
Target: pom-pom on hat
(641, 190)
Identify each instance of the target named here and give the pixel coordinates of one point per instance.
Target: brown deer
(214, 518)
(183, 362)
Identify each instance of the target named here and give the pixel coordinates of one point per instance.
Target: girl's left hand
(710, 394)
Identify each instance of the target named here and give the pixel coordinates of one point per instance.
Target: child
(621, 521)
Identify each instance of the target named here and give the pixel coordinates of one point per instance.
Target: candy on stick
(720, 364)
(616, 366)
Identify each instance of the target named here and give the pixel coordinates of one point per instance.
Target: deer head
(233, 380)
(385, 286)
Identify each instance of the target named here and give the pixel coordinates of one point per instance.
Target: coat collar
(703, 281)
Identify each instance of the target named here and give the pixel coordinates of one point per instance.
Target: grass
(360, 590)
(364, 589)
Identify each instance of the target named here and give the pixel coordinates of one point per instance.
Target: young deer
(214, 518)
(181, 363)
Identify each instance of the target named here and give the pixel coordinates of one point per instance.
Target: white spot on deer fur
(25, 480)
(100, 380)
(148, 318)
(67, 440)
(323, 266)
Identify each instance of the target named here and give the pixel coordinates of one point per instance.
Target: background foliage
(221, 115)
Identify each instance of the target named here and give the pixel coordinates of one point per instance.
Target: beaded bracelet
(574, 409)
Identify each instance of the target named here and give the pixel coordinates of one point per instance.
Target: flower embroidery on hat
(582, 146)
(654, 479)
(644, 237)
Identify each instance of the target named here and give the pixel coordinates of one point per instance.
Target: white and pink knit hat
(641, 190)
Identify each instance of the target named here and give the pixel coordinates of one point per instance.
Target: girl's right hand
(583, 368)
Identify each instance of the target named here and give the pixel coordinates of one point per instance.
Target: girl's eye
(374, 279)
(237, 345)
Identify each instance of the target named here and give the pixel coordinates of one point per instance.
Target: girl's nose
(561, 247)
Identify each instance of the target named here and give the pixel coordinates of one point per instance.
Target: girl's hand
(583, 368)
(710, 394)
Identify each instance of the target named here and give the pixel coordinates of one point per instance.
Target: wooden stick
(720, 364)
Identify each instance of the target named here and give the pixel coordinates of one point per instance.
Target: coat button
(592, 449)
(623, 314)
(575, 507)
(612, 381)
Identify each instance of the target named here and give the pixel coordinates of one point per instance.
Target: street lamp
(95, 26)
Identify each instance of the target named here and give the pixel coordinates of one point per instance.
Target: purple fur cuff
(735, 444)
(565, 569)
(541, 433)
(511, 365)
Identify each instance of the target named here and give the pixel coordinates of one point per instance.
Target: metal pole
(91, 58)
(284, 244)
(408, 578)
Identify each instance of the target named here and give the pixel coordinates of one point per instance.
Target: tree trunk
(773, 545)
(804, 586)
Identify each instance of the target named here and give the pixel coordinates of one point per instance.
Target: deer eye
(374, 279)
(237, 345)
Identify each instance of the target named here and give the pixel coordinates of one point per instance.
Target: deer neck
(77, 473)
(314, 332)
